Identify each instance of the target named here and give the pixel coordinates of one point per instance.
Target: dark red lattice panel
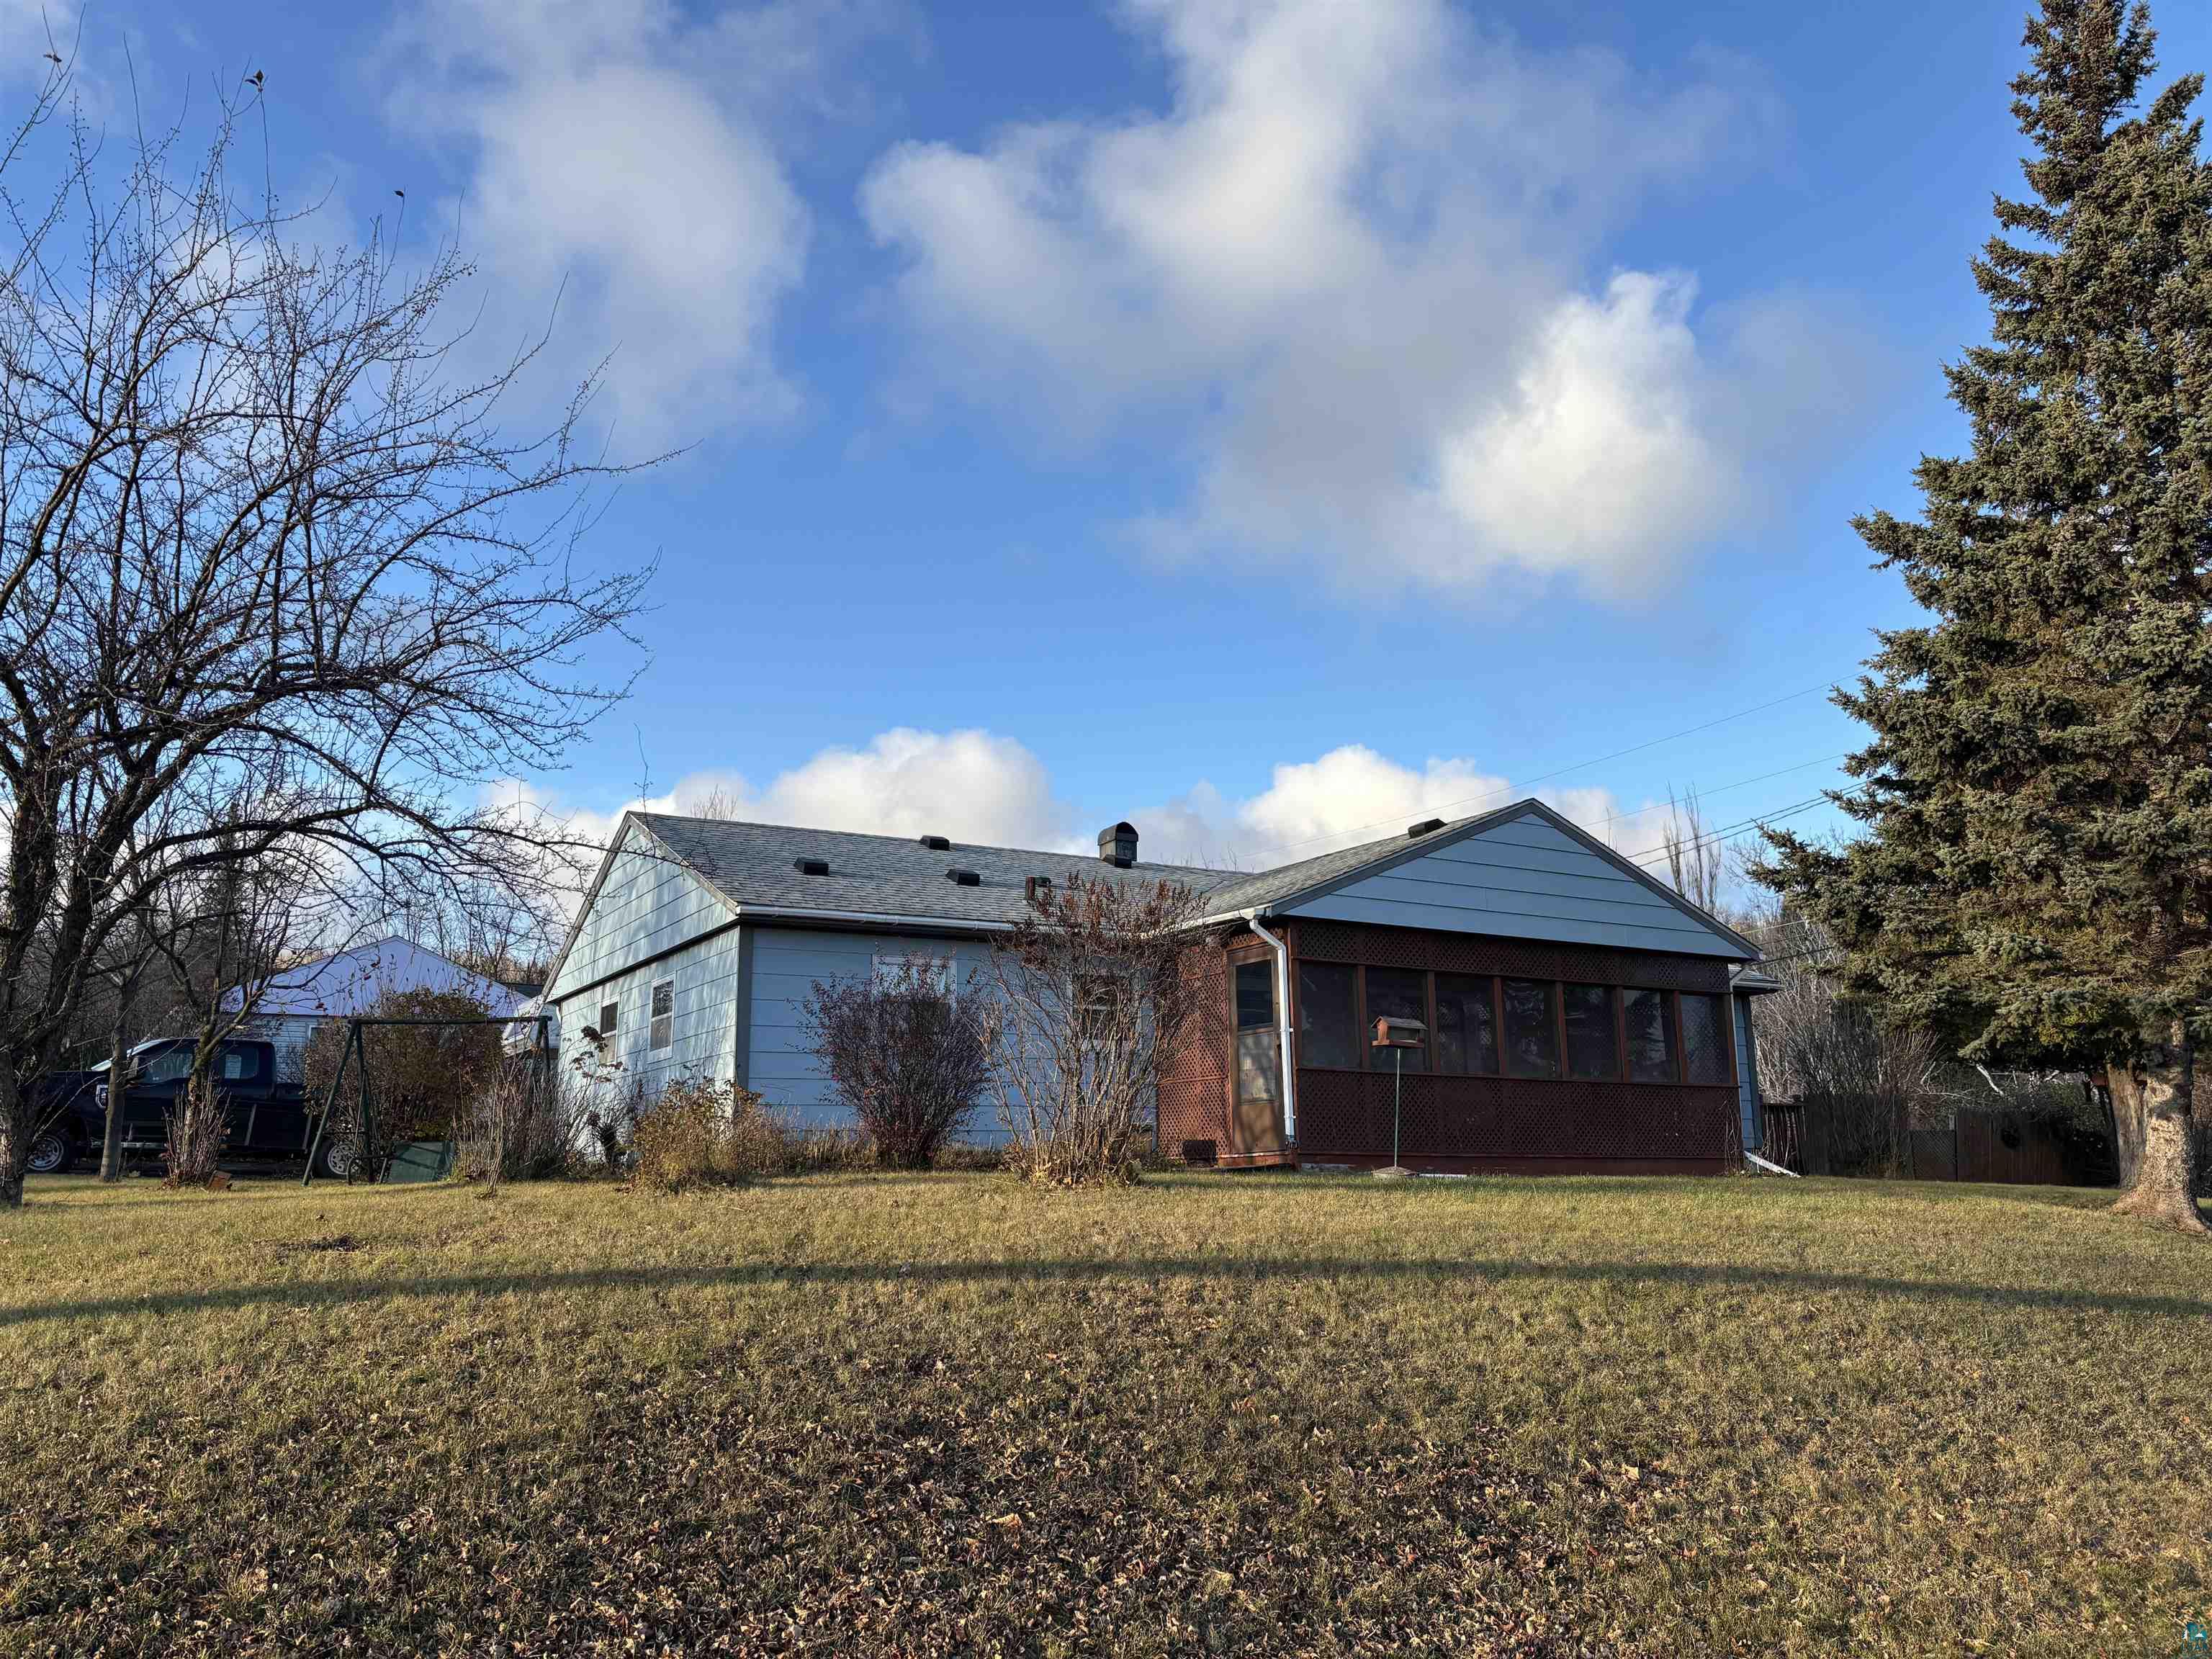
(1469, 953)
(1347, 1115)
(1194, 1083)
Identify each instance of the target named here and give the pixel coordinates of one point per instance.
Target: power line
(1732, 830)
(1611, 818)
(1558, 772)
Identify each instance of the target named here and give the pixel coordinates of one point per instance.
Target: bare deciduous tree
(1089, 999)
(226, 936)
(259, 539)
(1870, 1075)
(1696, 861)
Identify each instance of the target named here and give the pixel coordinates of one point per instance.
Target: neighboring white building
(348, 982)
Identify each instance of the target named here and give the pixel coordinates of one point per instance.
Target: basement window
(663, 1014)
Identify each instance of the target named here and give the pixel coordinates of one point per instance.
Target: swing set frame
(364, 1121)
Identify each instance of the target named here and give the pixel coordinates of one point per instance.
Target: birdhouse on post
(1400, 1033)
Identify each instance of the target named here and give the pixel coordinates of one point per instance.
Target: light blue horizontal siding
(1747, 1069)
(1522, 879)
(786, 963)
(703, 1024)
(647, 904)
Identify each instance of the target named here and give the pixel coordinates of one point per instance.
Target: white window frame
(661, 1028)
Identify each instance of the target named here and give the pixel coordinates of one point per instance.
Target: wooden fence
(2006, 1147)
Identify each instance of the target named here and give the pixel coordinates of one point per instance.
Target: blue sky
(1259, 420)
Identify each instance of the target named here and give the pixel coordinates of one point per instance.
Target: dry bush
(1091, 997)
(196, 1125)
(904, 1054)
(530, 1125)
(701, 1133)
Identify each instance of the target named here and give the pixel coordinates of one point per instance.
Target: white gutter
(872, 918)
(1283, 1027)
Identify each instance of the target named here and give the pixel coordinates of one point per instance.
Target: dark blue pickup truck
(266, 1118)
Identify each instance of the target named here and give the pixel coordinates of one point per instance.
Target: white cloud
(1345, 271)
(1349, 795)
(620, 156)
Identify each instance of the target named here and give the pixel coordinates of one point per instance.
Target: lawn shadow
(332, 1293)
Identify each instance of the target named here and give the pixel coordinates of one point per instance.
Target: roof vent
(810, 866)
(1034, 888)
(1415, 831)
(963, 878)
(1117, 845)
(937, 843)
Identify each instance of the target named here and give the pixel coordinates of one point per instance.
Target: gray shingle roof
(754, 864)
(892, 876)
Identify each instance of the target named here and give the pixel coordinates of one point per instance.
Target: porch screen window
(1705, 1040)
(663, 1014)
(1590, 1048)
(1328, 1027)
(1256, 1037)
(1651, 1036)
(1532, 1035)
(1466, 1026)
(1395, 993)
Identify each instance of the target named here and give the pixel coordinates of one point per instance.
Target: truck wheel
(50, 1154)
(334, 1158)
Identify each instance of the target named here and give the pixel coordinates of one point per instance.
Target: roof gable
(348, 982)
(1523, 872)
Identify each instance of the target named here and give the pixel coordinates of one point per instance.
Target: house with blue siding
(1573, 1012)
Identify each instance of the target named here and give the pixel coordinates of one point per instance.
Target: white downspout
(1282, 1026)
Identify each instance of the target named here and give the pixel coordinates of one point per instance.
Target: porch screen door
(1259, 1059)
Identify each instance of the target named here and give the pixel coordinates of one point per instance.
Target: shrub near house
(905, 1054)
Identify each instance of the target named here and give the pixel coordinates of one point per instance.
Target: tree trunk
(2127, 1115)
(14, 1141)
(119, 1071)
(2152, 1102)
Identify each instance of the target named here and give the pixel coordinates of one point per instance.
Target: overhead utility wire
(1557, 772)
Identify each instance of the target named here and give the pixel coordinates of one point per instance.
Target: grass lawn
(1216, 1413)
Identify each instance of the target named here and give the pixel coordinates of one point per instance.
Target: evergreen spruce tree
(2034, 880)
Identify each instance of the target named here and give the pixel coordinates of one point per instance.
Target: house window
(1397, 993)
(1328, 1023)
(1651, 1036)
(1097, 1002)
(1705, 1039)
(1592, 1046)
(663, 1014)
(1257, 1053)
(1532, 1034)
(894, 968)
(608, 1011)
(1467, 1025)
